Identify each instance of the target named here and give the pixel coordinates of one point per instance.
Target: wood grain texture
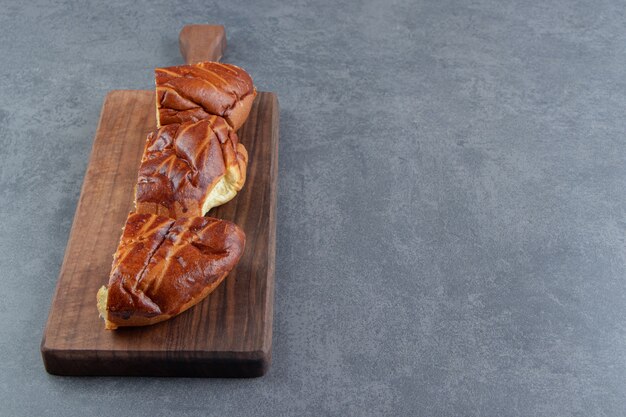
(199, 43)
(229, 334)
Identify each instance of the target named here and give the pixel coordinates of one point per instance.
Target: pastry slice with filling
(189, 168)
(164, 266)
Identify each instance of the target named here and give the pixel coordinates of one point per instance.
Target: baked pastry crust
(194, 92)
(189, 168)
(164, 266)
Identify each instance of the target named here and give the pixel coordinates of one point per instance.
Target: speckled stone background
(451, 214)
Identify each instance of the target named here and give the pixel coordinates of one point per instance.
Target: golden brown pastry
(195, 92)
(189, 168)
(163, 266)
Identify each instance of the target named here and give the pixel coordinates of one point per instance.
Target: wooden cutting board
(229, 334)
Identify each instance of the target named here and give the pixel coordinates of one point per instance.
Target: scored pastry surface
(194, 92)
(189, 168)
(164, 266)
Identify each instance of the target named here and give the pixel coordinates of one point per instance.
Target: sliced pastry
(163, 266)
(194, 92)
(189, 168)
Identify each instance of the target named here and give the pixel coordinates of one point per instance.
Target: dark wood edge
(271, 254)
(154, 363)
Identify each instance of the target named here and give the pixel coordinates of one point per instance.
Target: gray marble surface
(451, 213)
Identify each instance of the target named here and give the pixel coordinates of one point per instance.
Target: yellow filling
(102, 296)
(224, 191)
(102, 301)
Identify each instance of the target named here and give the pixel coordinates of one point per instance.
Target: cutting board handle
(200, 43)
